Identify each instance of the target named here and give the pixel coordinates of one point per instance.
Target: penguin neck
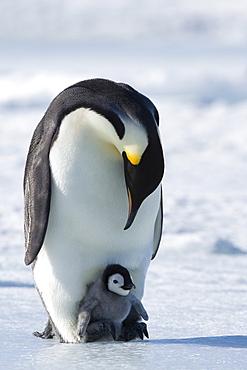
(84, 147)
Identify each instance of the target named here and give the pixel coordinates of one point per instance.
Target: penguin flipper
(37, 188)
(83, 321)
(84, 316)
(158, 227)
(138, 306)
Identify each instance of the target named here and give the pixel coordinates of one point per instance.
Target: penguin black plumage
(108, 302)
(92, 189)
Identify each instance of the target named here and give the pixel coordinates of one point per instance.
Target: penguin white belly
(89, 209)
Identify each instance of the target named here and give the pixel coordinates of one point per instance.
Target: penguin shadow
(228, 341)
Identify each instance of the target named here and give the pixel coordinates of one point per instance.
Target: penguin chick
(107, 303)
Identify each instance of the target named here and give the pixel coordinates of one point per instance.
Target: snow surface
(190, 58)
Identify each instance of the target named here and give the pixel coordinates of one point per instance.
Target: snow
(190, 59)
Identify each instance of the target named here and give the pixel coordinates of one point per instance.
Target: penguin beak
(142, 178)
(128, 286)
(134, 158)
(132, 213)
(130, 162)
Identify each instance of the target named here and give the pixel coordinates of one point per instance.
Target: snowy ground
(196, 289)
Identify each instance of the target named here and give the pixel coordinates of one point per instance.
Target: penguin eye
(115, 281)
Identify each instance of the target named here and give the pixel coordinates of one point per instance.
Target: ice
(190, 58)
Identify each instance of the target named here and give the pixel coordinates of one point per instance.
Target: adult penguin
(92, 189)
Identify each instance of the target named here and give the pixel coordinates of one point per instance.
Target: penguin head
(117, 280)
(143, 170)
(139, 144)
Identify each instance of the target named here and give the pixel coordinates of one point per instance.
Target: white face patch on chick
(116, 284)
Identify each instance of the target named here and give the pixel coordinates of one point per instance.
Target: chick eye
(115, 281)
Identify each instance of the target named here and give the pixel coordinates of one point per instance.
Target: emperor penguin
(108, 302)
(92, 193)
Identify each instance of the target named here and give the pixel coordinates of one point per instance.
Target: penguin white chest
(89, 204)
(88, 186)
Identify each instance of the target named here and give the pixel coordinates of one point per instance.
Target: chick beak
(128, 286)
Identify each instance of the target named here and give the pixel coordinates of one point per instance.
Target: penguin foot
(133, 328)
(133, 331)
(48, 332)
(98, 330)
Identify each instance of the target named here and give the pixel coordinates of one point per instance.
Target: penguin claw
(141, 329)
(139, 332)
(133, 327)
(47, 333)
(136, 330)
(145, 331)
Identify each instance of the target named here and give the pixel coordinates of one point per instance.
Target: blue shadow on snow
(230, 341)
